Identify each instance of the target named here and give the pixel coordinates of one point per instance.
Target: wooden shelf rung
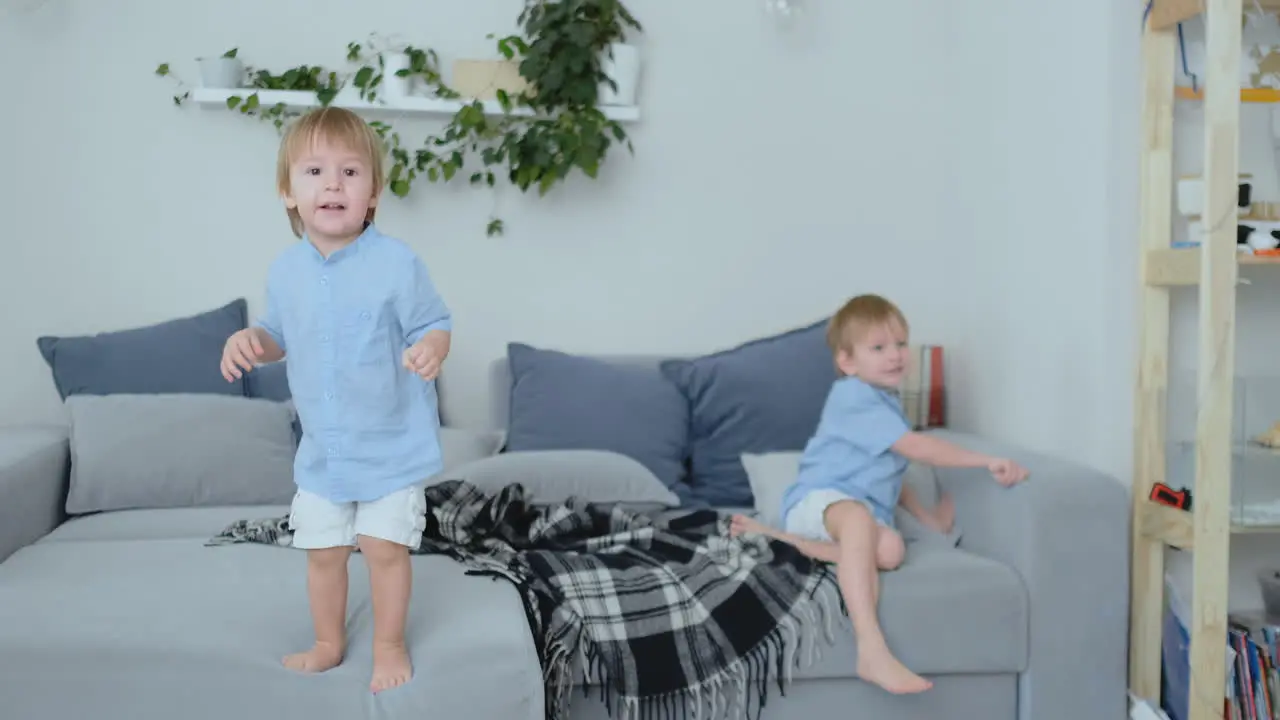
(1167, 13)
(1169, 525)
(1172, 267)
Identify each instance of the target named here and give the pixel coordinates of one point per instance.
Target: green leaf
(494, 227)
(230, 53)
(232, 102)
(400, 188)
(162, 69)
(546, 183)
(363, 75)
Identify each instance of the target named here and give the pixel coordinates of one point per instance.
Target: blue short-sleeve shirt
(851, 451)
(370, 426)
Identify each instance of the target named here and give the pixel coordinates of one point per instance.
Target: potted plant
(569, 45)
(222, 72)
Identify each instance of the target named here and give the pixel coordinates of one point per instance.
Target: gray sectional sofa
(126, 613)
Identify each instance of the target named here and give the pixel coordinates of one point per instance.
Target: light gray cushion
(178, 450)
(771, 473)
(552, 476)
(459, 446)
(166, 629)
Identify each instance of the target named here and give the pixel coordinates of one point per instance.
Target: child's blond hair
(337, 126)
(852, 321)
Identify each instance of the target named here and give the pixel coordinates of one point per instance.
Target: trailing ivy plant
(538, 139)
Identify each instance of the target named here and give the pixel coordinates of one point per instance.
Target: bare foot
(883, 669)
(739, 524)
(391, 667)
(322, 656)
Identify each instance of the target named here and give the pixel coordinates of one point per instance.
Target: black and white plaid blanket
(662, 613)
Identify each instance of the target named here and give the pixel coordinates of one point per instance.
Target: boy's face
(879, 357)
(332, 190)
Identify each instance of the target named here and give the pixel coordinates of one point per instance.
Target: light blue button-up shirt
(370, 426)
(852, 449)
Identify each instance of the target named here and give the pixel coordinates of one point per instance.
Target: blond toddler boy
(363, 327)
(840, 507)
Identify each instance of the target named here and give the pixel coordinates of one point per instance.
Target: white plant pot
(221, 72)
(394, 87)
(348, 96)
(624, 68)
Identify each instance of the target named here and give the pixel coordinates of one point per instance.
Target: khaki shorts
(321, 523)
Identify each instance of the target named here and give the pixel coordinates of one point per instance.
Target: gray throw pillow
(553, 476)
(178, 450)
(763, 396)
(175, 356)
(561, 401)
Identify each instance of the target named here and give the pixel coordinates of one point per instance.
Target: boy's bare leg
(327, 592)
(858, 536)
(390, 578)
(816, 549)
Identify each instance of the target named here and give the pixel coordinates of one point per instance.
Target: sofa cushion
(763, 396)
(171, 628)
(178, 450)
(943, 611)
(460, 446)
(176, 356)
(553, 476)
(269, 382)
(561, 401)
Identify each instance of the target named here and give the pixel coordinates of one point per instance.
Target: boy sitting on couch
(840, 507)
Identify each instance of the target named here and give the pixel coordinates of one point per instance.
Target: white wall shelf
(303, 99)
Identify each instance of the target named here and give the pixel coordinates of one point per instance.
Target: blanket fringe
(792, 645)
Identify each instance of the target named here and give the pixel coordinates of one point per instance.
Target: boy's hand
(425, 356)
(242, 351)
(1007, 472)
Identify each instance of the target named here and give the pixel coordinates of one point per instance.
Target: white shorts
(806, 518)
(321, 523)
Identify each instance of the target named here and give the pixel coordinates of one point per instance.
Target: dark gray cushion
(175, 356)
(269, 382)
(763, 396)
(568, 402)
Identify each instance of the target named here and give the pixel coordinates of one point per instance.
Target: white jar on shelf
(395, 87)
(221, 73)
(622, 64)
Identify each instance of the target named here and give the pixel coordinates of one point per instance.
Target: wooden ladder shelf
(1206, 529)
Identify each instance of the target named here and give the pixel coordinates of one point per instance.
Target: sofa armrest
(1065, 531)
(34, 467)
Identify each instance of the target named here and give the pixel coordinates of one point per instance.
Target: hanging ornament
(784, 12)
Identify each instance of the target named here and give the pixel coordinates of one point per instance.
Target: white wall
(977, 163)
(775, 174)
(913, 152)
